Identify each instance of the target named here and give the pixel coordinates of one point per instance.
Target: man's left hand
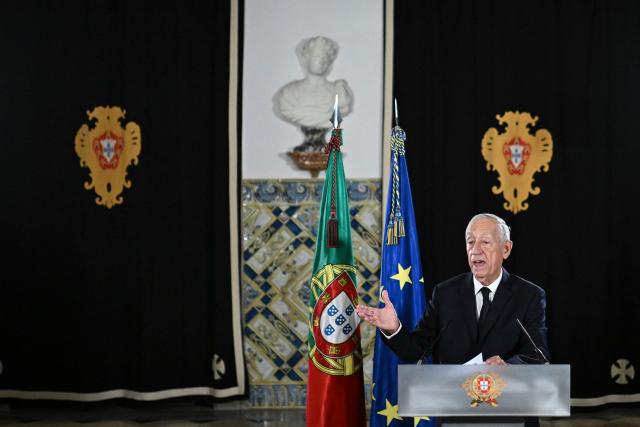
(495, 360)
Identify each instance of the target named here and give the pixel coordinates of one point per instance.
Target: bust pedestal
(312, 161)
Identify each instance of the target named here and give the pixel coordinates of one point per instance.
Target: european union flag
(401, 277)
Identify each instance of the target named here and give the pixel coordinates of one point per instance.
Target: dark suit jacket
(452, 314)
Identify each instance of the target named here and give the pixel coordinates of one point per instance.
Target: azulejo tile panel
(279, 226)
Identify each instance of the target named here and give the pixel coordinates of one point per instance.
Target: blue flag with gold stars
(401, 277)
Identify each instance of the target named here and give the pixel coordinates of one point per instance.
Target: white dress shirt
(493, 287)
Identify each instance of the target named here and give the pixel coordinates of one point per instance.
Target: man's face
(485, 252)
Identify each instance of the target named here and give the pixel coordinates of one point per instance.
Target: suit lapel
(469, 310)
(500, 300)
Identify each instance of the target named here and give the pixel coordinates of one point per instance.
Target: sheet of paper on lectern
(478, 360)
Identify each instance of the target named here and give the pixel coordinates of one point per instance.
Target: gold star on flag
(391, 412)
(402, 276)
(416, 420)
(422, 280)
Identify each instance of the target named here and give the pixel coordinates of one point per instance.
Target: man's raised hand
(384, 318)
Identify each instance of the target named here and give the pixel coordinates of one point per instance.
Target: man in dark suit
(474, 312)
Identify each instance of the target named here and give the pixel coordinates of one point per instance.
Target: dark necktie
(485, 305)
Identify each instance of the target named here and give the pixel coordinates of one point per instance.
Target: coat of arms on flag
(336, 346)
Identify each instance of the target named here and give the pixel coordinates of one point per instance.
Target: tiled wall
(279, 225)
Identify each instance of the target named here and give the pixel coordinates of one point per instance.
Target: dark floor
(234, 414)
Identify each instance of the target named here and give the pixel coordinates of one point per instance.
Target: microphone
(532, 343)
(428, 350)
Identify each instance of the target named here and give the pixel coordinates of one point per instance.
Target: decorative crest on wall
(517, 155)
(107, 150)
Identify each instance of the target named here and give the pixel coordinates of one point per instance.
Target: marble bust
(308, 103)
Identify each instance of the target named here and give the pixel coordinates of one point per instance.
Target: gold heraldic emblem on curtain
(107, 150)
(517, 155)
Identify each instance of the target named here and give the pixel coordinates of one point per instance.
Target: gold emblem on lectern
(107, 150)
(517, 155)
(484, 388)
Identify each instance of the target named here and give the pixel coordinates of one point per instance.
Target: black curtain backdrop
(576, 65)
(136, 297)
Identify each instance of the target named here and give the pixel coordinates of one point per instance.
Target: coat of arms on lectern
(484, 388)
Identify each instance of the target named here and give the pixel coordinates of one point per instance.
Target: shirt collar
(493, 287)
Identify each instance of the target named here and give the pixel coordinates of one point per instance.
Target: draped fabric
(335, 388)
(132, 301)
(401, 276)
(575, 65)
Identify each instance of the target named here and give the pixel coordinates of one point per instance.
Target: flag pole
(333, 147)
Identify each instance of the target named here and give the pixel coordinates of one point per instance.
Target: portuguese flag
(335, 391)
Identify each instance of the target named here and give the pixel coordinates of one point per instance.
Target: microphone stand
(429, 348)
(535, 347)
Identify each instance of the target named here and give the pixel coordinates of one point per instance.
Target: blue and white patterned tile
(279, 231)
(260, 364)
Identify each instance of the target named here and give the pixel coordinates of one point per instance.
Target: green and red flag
(335, 391)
